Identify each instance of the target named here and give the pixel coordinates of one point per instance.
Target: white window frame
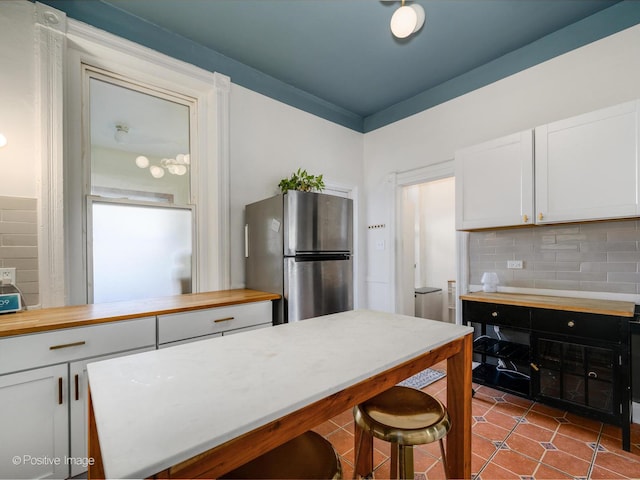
(64, 45)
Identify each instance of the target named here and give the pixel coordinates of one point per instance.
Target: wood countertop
(33, 321)
(570, 304)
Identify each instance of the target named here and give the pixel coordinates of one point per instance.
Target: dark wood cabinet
(576, 361)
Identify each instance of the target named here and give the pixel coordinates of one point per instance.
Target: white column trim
(50, 28)
(222, 87)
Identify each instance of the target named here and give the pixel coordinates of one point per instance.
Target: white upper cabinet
(586, 167)
(494, 183)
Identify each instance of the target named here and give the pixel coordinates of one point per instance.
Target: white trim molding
(210, 188)
(425, 174)
(50, 27)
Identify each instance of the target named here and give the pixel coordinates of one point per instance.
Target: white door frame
(416, 176)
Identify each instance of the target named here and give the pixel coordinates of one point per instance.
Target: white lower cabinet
(43, 427)
(34, 423)
(185, 327)
(79, 409)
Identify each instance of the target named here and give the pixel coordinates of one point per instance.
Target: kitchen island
(204, 408)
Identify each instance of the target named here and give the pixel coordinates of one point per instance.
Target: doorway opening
(429, 249)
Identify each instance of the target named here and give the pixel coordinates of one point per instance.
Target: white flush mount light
(121, 133)
(407, 19)
(3, 140)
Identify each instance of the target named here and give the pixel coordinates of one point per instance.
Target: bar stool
(405, 417)
(308, 456)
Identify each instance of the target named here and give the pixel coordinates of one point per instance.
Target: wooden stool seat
(404, 417)
(308, 456)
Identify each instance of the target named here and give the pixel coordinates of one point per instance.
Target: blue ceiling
(337, 58)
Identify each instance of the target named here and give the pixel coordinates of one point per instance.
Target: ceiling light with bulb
(407, 20)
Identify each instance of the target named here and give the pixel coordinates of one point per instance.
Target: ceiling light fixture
(175, 166)
(407, 19)
(121, 133)
(3, 140)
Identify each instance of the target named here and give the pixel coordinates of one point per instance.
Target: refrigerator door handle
(246, 240)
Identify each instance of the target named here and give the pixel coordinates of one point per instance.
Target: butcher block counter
(34, 321)
(569, 304)
(568, 353)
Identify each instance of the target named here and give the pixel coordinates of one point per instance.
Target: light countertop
(156, 409)
(570, 304)
(32, 321)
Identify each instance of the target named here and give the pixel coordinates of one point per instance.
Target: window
(140, 212)
(189, 110)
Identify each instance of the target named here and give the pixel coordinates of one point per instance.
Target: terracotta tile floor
(513, 438)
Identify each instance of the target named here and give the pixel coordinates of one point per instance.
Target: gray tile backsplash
(600, 256)
(19, 243)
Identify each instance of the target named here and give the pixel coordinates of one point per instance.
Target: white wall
(18, 159)
(269, 141)
(597, 75)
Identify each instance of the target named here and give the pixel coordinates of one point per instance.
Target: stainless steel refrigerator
(300, 245)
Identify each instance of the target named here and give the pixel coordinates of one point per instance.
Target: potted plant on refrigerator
(302, 181)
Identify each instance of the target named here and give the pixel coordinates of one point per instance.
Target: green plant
(303, 181)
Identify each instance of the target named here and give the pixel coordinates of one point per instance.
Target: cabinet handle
(75, 381)
(525, 218)
(540, 216)
(226, 319)
(494, 314)
(535, 367)
(67, 345)
(571, 323)
(59, 390)
(593, 375)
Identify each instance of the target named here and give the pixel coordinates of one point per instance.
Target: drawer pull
(494, 314)
(535, 367)
(59, 390)
(67, 345)
(225, 319)
(75, 380)
(593, 375)
(571, 323)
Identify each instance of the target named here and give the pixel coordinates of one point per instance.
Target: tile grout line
(595, 451)
(499, 447)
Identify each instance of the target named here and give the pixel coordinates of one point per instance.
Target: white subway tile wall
(19, 243)
(599, 256)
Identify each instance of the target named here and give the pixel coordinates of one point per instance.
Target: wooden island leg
(459, 407)
(363, 442)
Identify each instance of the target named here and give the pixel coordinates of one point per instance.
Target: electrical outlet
(514, 264)
(8, 275)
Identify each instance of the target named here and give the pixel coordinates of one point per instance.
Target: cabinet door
(587, 166)
(34, 419)
(79, 409)
(494, 183)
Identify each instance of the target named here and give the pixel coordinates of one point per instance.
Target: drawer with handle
(496, 314)
(48, 348)
(196, 323)
(586, 325)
